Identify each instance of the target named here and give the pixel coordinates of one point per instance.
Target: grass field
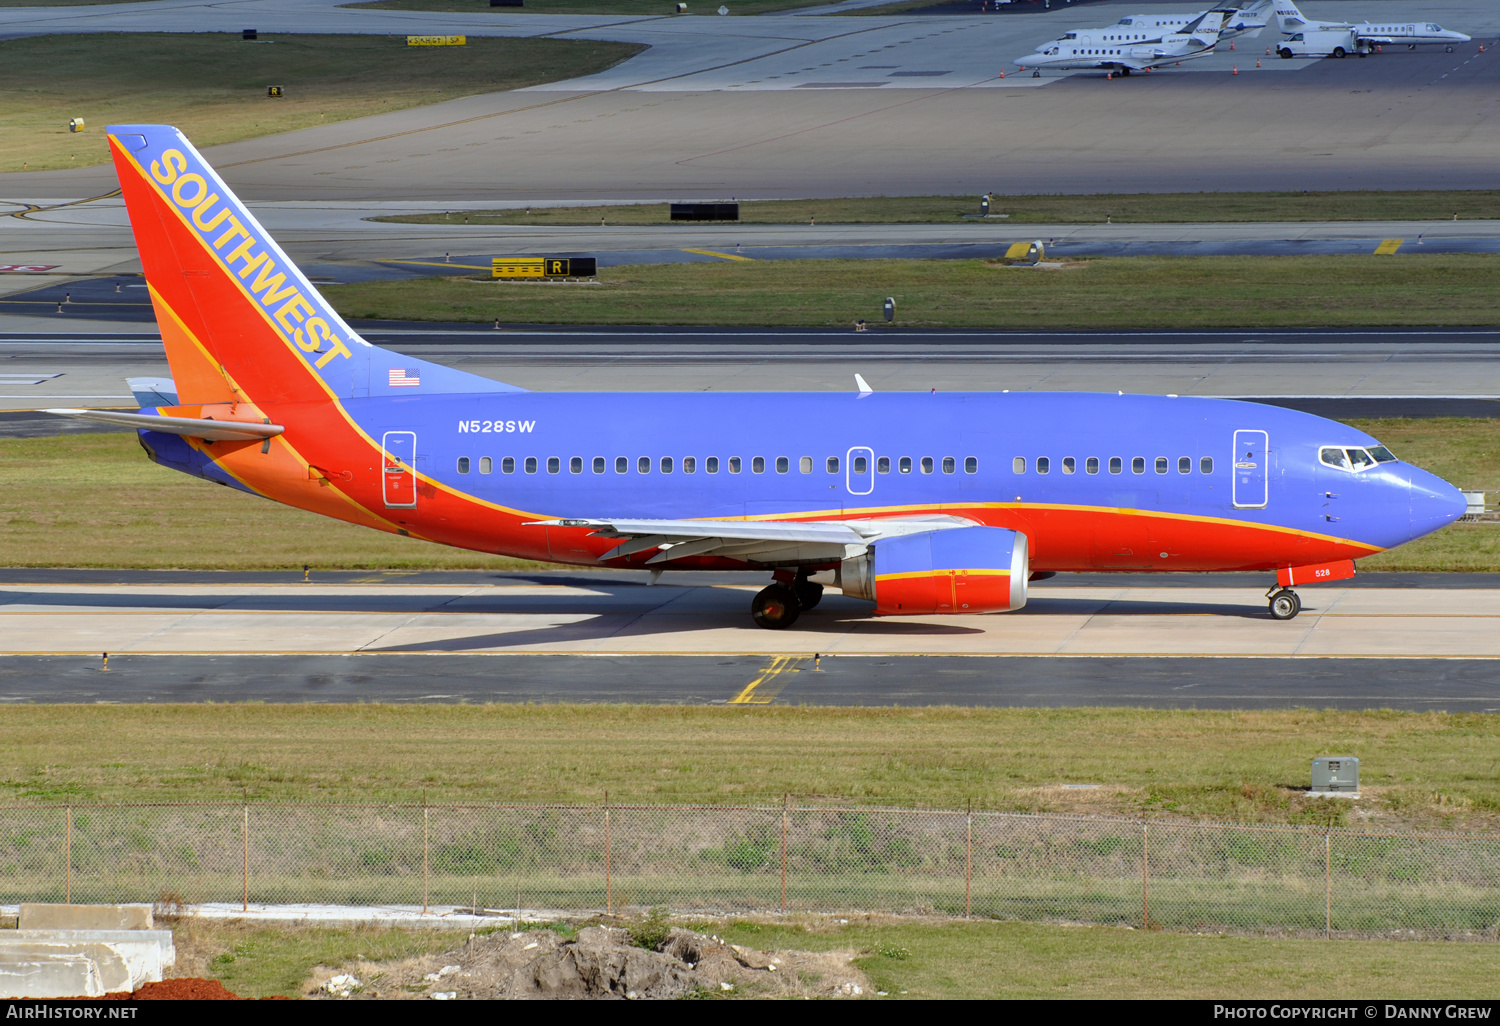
(213, 85)
(1137, 208)
(945, 959)
(1417, 769)
(74, 500)
(1203, 292)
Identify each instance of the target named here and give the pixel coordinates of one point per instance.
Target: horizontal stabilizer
(153, 391)
(212, 430)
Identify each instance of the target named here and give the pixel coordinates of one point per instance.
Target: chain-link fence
(784, 857)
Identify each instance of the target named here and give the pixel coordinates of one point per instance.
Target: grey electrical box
(1335, 774)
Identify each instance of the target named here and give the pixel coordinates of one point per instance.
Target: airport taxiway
(1409, 641)
(1339, 372)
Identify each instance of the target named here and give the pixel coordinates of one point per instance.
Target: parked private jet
(1119, 50)
(1151, 27)
(1366, 33)
(915, 502)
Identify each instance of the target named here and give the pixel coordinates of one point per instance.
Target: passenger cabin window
(783, 464)
(1018, 465)
(833, 464)
(553, 464)
(486, 464)
(1161, 464)
(1069, 465)
(1091, 465)
(971, 465)
(575, 465)
(666, 464)
(757, 465)
(530, 465)
(1116, 464)
(1184, 464)
(926, 464)
(643, 465)
(904, 465)
(1043, 465)
(861, 465)
(599, 464)
(883, 465)
(689, 464)
(508, 465)
(1206, 465)
(804, 465)
(622, 465)
(734, 464)
(463, 464)
(711, 465)
(1138, 465)
(949, 464)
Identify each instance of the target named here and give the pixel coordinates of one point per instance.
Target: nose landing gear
(1284, 603)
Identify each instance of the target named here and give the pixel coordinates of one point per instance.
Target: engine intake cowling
(955, 570)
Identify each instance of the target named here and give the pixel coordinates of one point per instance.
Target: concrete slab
(147, 953)
(53, 966)
(40, 916)
(60, 976)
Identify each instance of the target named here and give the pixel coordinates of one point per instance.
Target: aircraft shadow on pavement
(832, 622)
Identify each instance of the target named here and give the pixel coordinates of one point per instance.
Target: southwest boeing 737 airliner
(918, 503)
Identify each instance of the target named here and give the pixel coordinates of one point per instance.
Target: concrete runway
(1199, 641)
(1353, 373)
(706, 112)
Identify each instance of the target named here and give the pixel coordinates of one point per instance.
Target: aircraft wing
(754, 541)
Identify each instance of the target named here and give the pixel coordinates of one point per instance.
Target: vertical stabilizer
(239, 321)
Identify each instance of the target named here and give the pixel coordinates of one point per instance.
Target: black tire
(1447, 49)
(1285, 605)
(1125, 72)
(1036, 74)
(1338, 51)
(1286, 54)
(809, 594)
(776, 607)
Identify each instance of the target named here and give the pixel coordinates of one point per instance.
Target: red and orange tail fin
(239, 321)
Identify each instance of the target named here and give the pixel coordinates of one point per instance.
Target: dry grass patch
(1187, 292)
(213, 85)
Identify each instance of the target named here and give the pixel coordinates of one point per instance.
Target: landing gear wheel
(1036, 74)
(776, 607)
(1285, 604)
(1447, 49)
(1124, 72)
(809, 594)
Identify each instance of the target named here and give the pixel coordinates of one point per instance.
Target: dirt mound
(185, 988)
(600, 962)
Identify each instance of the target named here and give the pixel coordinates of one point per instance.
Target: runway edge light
(1336, 776)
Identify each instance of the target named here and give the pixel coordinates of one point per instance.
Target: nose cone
(1434, 503)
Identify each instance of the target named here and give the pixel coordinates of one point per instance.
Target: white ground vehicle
(1327, 43)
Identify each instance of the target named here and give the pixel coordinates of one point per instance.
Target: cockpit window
(1070, 35)
(1352, 459)
(1334, 458)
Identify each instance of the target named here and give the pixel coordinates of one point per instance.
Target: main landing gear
(1284, 603)
(779, 605)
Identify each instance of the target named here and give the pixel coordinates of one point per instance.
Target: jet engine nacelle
(954, 570)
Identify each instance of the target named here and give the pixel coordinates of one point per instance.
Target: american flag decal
(401, 376)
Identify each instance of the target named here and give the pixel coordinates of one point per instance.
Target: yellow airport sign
(437, 40)
(542, 267)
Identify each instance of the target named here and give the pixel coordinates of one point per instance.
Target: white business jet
(1367, 33)
(1237, 22)
(1110, 49)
